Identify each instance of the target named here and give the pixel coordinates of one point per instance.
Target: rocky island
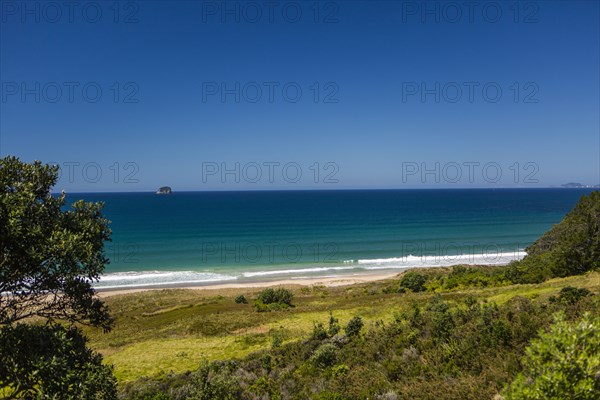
(164, 190)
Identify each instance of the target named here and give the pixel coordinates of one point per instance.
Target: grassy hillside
(173, 330)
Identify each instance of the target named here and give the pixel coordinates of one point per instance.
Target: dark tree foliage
(51, 362)
(49, 256)
(571, 247)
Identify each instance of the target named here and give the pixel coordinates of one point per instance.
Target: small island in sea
(164, 190)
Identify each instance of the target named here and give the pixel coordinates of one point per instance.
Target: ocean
(203, 238)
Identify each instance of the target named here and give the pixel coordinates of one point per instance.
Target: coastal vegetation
(461, 344)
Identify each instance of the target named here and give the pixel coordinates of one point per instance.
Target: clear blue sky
(371, 58)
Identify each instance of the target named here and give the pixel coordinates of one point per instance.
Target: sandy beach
(317, 281)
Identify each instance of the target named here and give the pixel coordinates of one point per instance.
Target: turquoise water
(218, 237)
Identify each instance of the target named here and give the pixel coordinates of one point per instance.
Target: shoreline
(341, 279)
(316, 281)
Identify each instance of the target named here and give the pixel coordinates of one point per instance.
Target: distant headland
(578, 185)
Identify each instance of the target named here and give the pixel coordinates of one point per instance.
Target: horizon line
(326, 190)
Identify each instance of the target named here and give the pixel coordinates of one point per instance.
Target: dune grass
(160, 331)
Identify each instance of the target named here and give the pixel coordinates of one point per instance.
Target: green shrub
(473, 276)
(502, 332)
(272, 296)
(529, 270)
(562, 364)
(319, 332)
(211, 381)
(572, 295)
(241, 299)
(273, 299)
(334, 326)
(442, 321)
(354, 326)
(414, 281)
(265, 388)
(325, 356)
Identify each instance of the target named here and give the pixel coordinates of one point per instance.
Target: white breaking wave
(411, 261)
(293, 271)
(156, 278)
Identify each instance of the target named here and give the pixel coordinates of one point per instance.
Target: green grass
(161, 331)
(152, 357)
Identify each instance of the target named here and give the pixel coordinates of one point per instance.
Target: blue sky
(189, 90)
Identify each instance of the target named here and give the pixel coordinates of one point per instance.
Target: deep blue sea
(226, 237)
